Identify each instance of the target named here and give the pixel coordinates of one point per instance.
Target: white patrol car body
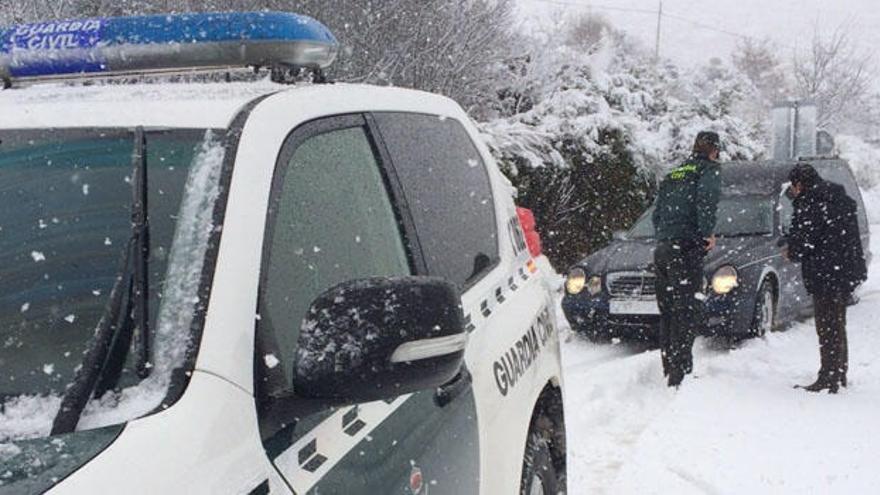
(209, 440)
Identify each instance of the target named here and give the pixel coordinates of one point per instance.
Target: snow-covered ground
(737, 426)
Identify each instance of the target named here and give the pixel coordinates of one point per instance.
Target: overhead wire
(665, 14)
(598, 6)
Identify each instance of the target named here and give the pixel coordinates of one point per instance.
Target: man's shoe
(819, 385)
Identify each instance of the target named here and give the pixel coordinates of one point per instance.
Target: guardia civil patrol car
(256, 288)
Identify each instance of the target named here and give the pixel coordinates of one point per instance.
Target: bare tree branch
(835, 74)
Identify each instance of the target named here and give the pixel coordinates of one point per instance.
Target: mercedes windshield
(737, 216)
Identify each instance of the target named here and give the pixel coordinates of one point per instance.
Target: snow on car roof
(191, 105)
(185, 105)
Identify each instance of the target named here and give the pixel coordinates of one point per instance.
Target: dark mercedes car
(749, 289)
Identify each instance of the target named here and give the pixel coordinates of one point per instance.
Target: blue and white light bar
(163, 43)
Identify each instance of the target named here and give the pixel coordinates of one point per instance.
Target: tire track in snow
(613, 393)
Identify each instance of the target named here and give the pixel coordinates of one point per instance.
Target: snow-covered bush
(601, 127)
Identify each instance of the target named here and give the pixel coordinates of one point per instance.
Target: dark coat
(825, 239)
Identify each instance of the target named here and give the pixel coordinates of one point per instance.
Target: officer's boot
(676, 376)
(676, 368)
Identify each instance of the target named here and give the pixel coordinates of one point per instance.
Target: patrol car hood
(637, 255)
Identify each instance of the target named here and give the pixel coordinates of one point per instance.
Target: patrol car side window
(447, 188)
(331, 220)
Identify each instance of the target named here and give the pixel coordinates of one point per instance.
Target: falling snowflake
(38, 256)
(271, 361)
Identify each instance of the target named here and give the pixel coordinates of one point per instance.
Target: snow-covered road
(738, 426)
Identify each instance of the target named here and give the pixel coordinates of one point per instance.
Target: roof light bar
(163, 43)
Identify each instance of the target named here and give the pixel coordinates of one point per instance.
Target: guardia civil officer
(684, 225)
(824, 238)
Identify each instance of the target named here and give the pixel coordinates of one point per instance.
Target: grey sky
(790, 23)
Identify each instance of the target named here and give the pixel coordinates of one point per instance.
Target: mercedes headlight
(577, 280)
(594, 285)
(725, 280)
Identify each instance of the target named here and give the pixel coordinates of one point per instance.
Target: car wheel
(539, 475)
(595, 333)
(764, 320)
(598, 337)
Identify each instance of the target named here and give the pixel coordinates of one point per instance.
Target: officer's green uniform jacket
(688, 200)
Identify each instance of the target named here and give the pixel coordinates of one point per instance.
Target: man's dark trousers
(831, 326)
(679, 270)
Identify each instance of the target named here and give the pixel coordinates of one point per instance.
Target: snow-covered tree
(452, 47)
(761, 63)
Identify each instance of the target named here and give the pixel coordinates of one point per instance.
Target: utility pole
(659, 23)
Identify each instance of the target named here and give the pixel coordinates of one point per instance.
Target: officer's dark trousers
(679, 268)
(831, 327)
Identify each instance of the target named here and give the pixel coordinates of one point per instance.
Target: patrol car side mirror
(376, 339)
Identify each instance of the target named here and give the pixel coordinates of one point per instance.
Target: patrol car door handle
(457, 386)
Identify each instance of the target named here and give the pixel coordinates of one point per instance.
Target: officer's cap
(709, 138)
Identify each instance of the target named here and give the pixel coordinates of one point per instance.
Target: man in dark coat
(825, 240)
(684, 225)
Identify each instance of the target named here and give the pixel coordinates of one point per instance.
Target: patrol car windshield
(737, 216)
(65, 223)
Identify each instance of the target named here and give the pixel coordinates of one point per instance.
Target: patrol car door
(449, 189)
(335, 216)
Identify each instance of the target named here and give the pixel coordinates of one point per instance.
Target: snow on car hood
(194, 105)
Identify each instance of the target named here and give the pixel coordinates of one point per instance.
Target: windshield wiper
(743, 234)
(141, 231)
(126, 316)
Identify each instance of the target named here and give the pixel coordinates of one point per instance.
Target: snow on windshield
(31, 416)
